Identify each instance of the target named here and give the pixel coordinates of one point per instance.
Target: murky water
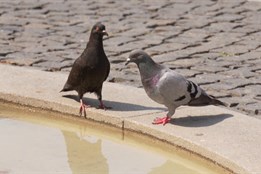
(39, 142)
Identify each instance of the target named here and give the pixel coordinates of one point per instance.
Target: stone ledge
(228, 138)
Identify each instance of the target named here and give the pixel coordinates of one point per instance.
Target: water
(42, 142)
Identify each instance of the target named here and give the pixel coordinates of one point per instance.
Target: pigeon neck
(149, 69)
(95, 41)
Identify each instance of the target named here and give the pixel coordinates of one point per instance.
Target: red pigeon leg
(102, 106)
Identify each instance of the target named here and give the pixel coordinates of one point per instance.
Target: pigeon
(168, 87)
(91, 69)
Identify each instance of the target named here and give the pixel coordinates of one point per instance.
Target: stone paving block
(231, 3)
(228, 17)
(8, 19)
(239, 83)
(153, 23)
(186, 40)
(151, 40)
(190, 21)
(185, 62)
(119, 41)
(135, 33)
(196, 32)
(203, 50)
(57, 6)
(234, 49)
(176, 9)
(243, 72)
(253, 6)
(218, 86)
(167, 32)
(203, 10)
(186, 72)
(252, 88)
(165, 47)
(225, 64)
(120, 77)
(220, 40)
(207, 78)
(246, 28)
(207, 3)
(255, 36)
(209, 68)
(253, 108)
(170, 56)
(20, 62)
(224, 27)
(52, 65)
(252, 44)
(253, 55)
(6, 49)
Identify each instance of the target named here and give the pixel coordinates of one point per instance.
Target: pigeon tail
(205, 99)
(66, 87)
(218, 103)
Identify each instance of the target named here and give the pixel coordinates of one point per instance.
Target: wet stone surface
(215, 43)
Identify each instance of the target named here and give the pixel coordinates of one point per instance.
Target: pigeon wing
(176, 90)
(173, 87)
(77, 75)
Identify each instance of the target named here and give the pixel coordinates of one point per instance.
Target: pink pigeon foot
(163, 120)
(102, 106)
(82, 108)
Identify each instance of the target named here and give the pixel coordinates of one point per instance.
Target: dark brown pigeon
(91, 69)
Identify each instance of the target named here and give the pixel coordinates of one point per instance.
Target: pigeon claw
(102, 106)
(163, 120)
(82, 109)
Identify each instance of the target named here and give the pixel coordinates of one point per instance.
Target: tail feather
(66, 87)
(205, 99)
(218, 102)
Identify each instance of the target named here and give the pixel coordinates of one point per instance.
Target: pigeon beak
(127, 62)
(104, 32)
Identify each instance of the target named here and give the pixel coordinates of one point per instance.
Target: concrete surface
(215, 43)
(226, 137)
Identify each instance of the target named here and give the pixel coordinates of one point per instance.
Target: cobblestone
(216, 43)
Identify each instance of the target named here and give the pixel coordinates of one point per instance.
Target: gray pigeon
(167, 87)
(91, 69)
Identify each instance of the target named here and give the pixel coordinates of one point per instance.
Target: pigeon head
(147, 67)
(99, 29)
(138, 56)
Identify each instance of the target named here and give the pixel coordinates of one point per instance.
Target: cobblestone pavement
(216, 43)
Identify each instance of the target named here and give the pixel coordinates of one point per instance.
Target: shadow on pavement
(200, 121)
(114, 105)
